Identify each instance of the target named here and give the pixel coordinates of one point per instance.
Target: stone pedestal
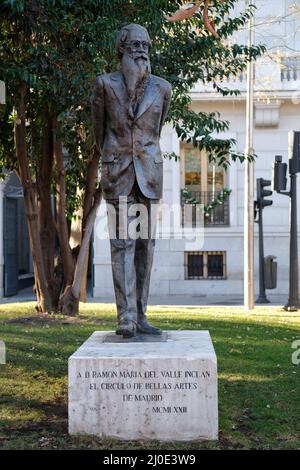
(144, 389)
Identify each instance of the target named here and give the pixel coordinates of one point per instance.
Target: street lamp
(249, 181)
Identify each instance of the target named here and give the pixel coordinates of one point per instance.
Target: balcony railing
(290, 69)
(217, 216)
(270, 74)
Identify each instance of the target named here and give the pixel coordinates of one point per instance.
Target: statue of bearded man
(129, 109)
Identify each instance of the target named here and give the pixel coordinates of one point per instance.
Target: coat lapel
(149, 97)
(118, 87)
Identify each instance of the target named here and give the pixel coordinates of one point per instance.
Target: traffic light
(255, 211)
(262, 193)
(294, 151)
(279, 179)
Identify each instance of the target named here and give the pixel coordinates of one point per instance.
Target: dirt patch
(51, 319)
(227, 443)
(41, 320)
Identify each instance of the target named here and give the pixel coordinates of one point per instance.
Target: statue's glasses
(138, 45)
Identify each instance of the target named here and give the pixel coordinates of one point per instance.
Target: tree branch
(77, 282)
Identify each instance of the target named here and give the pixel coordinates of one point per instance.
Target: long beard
(136, 73)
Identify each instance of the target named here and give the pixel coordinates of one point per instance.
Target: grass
(259, 387)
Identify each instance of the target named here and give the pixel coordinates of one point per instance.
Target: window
(205, 265)
(198, 174)
(203, 181)
(195, 266)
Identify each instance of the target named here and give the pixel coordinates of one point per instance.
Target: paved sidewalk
(196, 301)
(26, 295)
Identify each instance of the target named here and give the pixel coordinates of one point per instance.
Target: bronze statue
(129, 108)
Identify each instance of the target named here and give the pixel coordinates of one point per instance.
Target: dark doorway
(10, 246)
(18, 268)
(18, 265)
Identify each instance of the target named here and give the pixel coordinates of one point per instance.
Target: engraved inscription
(147, 386)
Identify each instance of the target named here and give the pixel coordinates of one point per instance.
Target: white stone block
(160, 273)
(164, 258)
(162, 245)
(159, 287)
(103, 276)
(206, 288)
(135, 390)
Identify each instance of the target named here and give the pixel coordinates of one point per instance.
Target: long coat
(129, 148)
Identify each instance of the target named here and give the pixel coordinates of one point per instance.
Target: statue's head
(133, 40)
(133, 46)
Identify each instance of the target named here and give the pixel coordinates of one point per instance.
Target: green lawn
(259, 387)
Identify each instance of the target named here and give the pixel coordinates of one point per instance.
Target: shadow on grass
(52, 412)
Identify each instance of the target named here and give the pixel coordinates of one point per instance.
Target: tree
(50, 53)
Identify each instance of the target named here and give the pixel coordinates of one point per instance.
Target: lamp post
(293, 302)
(294, 168)
(249, 182)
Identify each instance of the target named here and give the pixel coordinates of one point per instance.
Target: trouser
(132, 224)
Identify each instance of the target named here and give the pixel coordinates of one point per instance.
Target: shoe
(127, 329)
(145, 328)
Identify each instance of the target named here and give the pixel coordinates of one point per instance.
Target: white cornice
(273, 95)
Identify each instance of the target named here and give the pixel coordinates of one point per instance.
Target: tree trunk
(62, 223)
(47, 223)
(69, 302)
(54, 274)
(90, 189)
(75, 243)
(31, 208)
(91, 185)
